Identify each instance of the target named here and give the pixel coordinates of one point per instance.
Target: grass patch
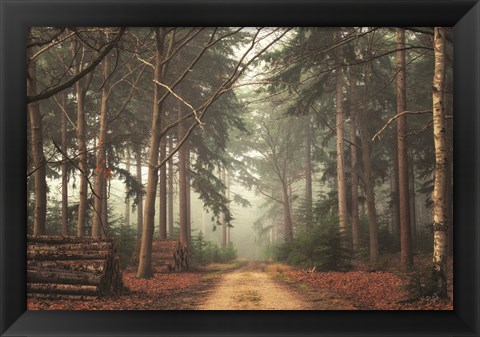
(277, 268)
(220, 268)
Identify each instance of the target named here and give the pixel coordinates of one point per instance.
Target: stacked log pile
(72, 268)
(167, 256)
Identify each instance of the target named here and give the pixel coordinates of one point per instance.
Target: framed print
(157, 158)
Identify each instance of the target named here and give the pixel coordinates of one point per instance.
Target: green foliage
(211, 191)
(300, 214)
(126, 238)
(323, 246)
(420, 283)
(326, 205)
(54, 217)
(270, 252)
(386, 239)
(425, 237)
(205, 252)
(176, 231)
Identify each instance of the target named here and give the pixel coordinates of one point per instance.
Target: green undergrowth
(215, 270)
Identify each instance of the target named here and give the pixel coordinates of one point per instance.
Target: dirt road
(251, 288)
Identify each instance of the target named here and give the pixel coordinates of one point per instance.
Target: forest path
(251, 288)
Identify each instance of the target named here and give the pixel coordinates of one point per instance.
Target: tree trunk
(227, 184)
(145, 262)
(440, 225)
(354, 159)
(340, 135)
(308, 176)
(138, 157)
(449, 171)
(223, 218)
(105, 207)
(287, 217)
(188, 195)
(355, 220)
(170, 189)
(449, 193)
(98, 227)
(204, 222)
(182, 181)
(36, 138)
(64, 147)
(411, 189)
(368, 184)
(395, 198)
(127, 200)
(163, 192)
(81, 89)
(406, 258)
(362, 196)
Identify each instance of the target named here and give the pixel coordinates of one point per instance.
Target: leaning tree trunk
(145, 262)
(98, 227)
(440, 225)
(340, 135)
(406, 258)
(40, 214)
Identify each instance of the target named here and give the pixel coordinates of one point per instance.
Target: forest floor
(382, 289)
(252, 287)
(261, 286)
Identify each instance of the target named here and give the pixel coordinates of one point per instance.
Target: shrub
(322, 246)
(205, 252)
(420, 283)
(126, 238)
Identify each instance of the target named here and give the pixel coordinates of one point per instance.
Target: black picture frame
(16, 15)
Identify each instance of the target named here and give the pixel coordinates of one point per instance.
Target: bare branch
(80, 75)
(391, 120)
(224, 87)
(268, 195)
(183, 101)
(50, 45)
(65, 112)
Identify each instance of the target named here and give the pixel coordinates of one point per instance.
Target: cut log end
(72, 268)
(167, 256)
